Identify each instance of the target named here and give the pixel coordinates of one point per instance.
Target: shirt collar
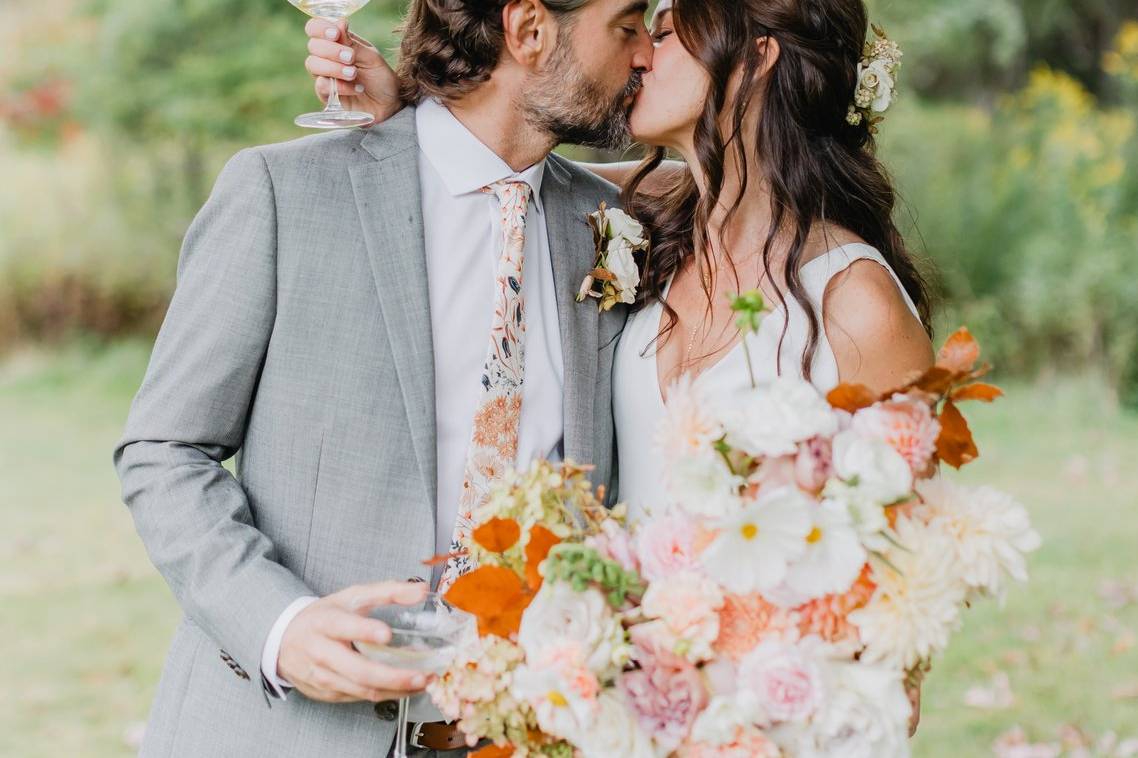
(466, 164)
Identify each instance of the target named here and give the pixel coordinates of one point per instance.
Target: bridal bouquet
(809, 563)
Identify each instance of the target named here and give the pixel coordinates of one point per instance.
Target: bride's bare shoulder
(825, 238)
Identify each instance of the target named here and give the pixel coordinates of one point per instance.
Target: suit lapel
(389, 200)
(571, 248)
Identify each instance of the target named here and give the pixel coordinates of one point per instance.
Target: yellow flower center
(749, 531)
(814, 536)
(557, 699)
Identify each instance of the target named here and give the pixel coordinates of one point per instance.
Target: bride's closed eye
(659, 35)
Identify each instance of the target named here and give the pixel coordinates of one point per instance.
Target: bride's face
(673, 94)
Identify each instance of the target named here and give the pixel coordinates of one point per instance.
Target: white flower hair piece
(876, 81)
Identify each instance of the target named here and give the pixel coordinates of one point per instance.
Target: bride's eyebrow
(660, 19)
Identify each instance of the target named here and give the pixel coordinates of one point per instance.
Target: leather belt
(436, 735)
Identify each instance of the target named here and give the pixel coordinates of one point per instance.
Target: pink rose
(666, 693)
(814, 464)
(775, 473)
(665, 546)
(615, 544)
(786, 683)
(907, 424)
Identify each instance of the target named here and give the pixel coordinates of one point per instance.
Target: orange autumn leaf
(498, 534)
(495, 596)
(955, 445)
(979, 391)
(438, 560)
(541, 541)
(494, 751)
(936, 381)
(851, 397)
(960, 352)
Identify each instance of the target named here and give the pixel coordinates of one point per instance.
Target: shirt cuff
(271, 652)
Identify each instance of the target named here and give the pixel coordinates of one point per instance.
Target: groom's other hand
(317, 657)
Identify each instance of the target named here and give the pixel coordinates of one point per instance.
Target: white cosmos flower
(916, 604)
(703, 486)
(614, 732)
(770, 421)
(990, 531)
(561, 689)
(834, 554)
(624, 227)
(560, 615)
(757, 543)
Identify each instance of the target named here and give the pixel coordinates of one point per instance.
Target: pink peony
(666, 693)
(786, 683)
(665, 546)
(749, 742)
(615, 544)
(907, 424)
(814, 464)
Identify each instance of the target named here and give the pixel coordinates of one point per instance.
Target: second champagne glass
(334, 116)
(425, 637)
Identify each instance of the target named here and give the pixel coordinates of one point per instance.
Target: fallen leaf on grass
(1014, 744)
(997, 696)
(1127, 691)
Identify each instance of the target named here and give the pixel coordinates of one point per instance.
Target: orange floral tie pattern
(494, 440)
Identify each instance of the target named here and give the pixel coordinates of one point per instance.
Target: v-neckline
(738, 343)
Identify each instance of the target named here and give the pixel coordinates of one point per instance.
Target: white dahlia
(990, 532)
(771, 420)
(916, 604)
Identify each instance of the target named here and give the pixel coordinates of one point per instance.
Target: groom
(359, 316)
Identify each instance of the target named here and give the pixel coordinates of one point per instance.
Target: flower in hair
(876, 81)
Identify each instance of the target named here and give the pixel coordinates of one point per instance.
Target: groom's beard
(573, 108)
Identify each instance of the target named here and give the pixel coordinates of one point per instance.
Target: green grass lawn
(86, 620)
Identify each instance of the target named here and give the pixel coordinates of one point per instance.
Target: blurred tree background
(1014, 146)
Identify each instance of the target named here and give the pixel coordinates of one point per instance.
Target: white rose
(770, 421)
(613, 732)
(623, 266)
(865, 715)
(724, 716)
(702, 486)
(876, 78)
(560, 614)
(623, 226)
(871, 465)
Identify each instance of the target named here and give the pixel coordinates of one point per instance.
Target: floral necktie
(494, 440)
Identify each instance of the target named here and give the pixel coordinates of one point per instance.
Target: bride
(778, 191)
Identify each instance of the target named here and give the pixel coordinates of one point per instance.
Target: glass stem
(401, 730)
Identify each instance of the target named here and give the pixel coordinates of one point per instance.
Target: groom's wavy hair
(450, 47)
(819, 167)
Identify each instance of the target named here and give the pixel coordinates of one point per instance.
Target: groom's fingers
(368, 675)
(349, 627)
(364, 598)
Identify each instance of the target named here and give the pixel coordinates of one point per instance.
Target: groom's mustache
(632, 89)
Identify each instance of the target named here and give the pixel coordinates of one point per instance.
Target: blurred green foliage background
(1014, 146)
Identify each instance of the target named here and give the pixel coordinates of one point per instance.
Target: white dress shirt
(464, 239)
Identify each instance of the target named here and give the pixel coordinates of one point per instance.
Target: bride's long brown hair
(818, 167)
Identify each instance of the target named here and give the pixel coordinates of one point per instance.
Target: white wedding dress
(638, 405)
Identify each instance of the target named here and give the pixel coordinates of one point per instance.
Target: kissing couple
(379, 323)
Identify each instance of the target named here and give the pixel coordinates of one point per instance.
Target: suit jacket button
(387, 710)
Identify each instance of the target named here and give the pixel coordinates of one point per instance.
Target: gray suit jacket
(299, 338)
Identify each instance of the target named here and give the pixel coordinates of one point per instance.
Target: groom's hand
(317, 657)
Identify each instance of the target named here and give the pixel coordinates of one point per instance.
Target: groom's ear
(530, 31)
(769, 52)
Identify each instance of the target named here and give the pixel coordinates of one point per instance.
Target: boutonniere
(618, 237)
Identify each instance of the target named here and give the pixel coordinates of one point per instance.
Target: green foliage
(583, 567)
(1030, 213)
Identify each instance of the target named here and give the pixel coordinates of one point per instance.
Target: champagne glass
(334, 116)
(425, 637)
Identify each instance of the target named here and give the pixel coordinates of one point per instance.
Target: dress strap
(817, 273)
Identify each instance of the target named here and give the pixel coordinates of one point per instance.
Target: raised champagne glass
(425, 637)
(334, 115)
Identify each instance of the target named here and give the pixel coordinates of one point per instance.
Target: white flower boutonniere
(615, 275)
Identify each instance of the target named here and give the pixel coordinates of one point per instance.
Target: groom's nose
(642, 55)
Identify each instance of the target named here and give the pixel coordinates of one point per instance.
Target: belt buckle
(415, 733)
